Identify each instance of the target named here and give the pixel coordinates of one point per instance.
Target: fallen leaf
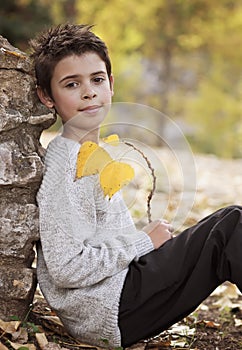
(21, 335)
(181, 330)
(166, 343)
(203, 307)
(210, 324)
(54, 319)
(237, 322)
(178, 343)
(225, 302)
(138, 346)
(3, 347)
(53, 346)
(227, 289)
(41, 340)
(17, 346)
(54, 324)
(9, 327)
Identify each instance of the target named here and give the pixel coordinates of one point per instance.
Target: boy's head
(57, 43)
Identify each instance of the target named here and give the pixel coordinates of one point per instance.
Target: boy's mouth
(91, 109)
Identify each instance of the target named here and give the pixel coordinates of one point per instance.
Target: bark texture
(22, 119)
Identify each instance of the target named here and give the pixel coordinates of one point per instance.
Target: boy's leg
(167, 284)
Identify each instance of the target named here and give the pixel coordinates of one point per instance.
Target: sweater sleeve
(77, 251)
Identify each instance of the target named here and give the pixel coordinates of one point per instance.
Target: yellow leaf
(113, 139)
(91, 159)
(114, 176)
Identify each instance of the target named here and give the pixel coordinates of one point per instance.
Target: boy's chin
(78, 127)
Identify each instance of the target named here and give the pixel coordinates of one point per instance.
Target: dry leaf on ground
(9, 327)
(17, 346)
(3, 347)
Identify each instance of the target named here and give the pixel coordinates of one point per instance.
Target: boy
(109, 283)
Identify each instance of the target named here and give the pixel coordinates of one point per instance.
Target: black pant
(167, 284)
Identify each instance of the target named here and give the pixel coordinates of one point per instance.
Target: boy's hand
(159, 231)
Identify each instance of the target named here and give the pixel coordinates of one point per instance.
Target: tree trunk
(22, 119)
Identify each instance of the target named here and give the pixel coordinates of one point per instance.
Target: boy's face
(80, 88)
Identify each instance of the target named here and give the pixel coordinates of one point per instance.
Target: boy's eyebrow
(74, 76)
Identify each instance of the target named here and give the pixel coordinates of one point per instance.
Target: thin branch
(152, 191)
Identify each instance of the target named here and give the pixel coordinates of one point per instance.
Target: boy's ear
(44, 98)
(111, 79)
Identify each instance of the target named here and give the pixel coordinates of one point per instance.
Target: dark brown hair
(64, 40)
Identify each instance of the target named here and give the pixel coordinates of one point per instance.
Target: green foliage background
(182, 57)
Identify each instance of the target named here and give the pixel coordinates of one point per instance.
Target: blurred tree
(64, 11)
(116, 22)
(215, 108)
(21, 19)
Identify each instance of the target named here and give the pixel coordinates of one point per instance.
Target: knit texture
(86, 245)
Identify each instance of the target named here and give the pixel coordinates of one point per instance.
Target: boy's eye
(98, 79)
(72, 84)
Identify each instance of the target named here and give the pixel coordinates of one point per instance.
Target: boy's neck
(80, 136)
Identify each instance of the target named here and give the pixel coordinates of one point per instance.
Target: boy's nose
(89, 93)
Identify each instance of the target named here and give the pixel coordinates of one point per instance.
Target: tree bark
(22, 119)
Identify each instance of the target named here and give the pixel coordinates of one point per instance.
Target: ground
(215, 325)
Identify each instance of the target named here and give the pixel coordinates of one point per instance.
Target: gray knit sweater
(87, 244)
